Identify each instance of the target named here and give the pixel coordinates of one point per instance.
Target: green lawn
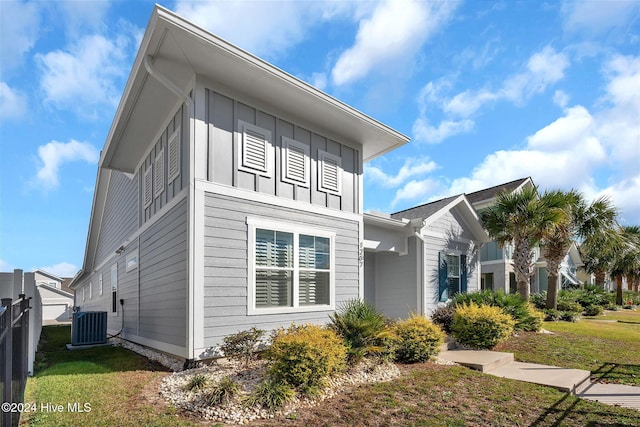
(121, 387)
(610, 350)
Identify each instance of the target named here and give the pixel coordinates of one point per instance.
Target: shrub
(304, 356)
(222, 392)
(570, 316)
(552, 315)
(481, 326)
(363, 328)
(196, 382)
(443, 316)
(593, 310)
(270, 394)
(242, 345)
(539, 300)
(569, 305)
(526, 317)
(417, 339)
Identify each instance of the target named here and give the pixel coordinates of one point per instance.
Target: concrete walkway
(573, 381)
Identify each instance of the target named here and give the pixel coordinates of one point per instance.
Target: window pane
(314, 288)
(453, 266)
(274, 288)
(274, 248)
(454, 286)
(314, 252)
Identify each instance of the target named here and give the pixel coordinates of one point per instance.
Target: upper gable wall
(452, 225)
(224, 115)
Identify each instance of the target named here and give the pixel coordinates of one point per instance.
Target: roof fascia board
(47, 274)
(384, 222)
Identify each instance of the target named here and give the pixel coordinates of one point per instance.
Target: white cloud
(83, 79)
(466, 103)
(416, 190)
(560, 98)
(624, 195)
(425, 132)
(83, 16)
(55, 154)
(13, 104)
(63, 269)
(6, 267)
(394, 32)
(19, 30)
(592, 18)
(263, 28)
(410, 168)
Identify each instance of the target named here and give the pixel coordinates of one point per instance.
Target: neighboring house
(57, 298)
(229, 195)
(567, 277)
(420, 257)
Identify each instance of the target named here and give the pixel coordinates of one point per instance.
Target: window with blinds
(295, 161)
(330, 173)
(292, 268)
(255, 149)
(173, 148)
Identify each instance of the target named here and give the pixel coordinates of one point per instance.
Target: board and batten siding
(225, 264)
(396, 282)
(171, 189)
(223, 117)
(163, 278)
(119, 219)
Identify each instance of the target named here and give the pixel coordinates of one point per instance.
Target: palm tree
(521, 218)
(626, 261)
(588, 223)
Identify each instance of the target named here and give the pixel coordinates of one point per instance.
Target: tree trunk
(552, 291)
(554, 256)
(600, 278)
(523, 266)
(619, 290)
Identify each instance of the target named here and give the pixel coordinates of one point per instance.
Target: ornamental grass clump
(222, 393)
(365, 330)
(416, 339)
(481, 326)
(270, 394)
(305, 356)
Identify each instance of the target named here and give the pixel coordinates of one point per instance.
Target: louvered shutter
(443, 282)
(174, 156)
(148, 185)
(330, 170)
(463, 273)
(159, 174)
(295, 162)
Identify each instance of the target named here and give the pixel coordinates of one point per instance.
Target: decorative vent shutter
(330, 173)
(159, 175)
(443, 283)
(463, 273)
(148, 184)
(174, 155)
(296, 162)
(254, 149)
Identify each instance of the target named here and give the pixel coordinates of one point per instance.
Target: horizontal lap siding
(452, 225)
(396, 292)
(163, 278)
(225, 264)
(120, 217)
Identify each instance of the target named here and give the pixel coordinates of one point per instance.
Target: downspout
(187, 99)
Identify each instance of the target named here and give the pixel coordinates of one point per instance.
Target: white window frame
(90, 290)
(100, 287)
(131, 261)
(322, 157)
(147, 187)
(158, 178)
(243, 164)
(114, 289)
(173, 146)
(83, 293)
(287, 176)
(296, 230)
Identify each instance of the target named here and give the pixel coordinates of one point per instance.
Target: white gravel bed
(173, 390)
(164, 359)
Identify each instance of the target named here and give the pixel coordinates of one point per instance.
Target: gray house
(229, 195)
(418, 258)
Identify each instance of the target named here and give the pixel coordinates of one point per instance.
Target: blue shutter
(463, 273)
(443, 283)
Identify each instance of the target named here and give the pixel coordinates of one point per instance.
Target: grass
(120, 386)
(111, 380)
(610, 350)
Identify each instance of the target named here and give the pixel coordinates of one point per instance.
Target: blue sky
(488, 92)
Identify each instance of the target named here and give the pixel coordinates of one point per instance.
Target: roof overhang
(180, 51)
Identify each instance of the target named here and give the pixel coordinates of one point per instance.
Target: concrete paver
(613, 394)
(567, 380)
